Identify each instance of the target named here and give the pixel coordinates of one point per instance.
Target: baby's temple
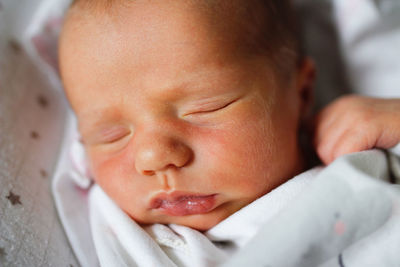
(200, 133)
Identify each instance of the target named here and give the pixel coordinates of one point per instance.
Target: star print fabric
(32, 117)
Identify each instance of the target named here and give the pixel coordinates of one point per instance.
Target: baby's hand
(355, 123)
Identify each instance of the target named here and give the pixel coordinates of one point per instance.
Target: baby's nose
(159, 153)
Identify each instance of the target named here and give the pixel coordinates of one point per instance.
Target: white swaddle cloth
(331, 216)
(120, 241)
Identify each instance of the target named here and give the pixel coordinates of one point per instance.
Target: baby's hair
(266, 27)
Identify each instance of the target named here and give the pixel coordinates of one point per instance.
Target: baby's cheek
(107, 173)
(113, 174)
(236, 157)
(116, 177)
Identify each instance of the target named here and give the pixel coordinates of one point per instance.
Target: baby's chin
(200, 222)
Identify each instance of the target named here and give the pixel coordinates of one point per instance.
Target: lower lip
(187, 205)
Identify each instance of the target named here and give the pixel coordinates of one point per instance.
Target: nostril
(148, 173)
(171, 166)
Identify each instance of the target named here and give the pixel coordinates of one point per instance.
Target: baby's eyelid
(112, 135)
(211, 109)
(116, 137)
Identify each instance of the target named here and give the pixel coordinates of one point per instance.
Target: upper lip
(174, 196)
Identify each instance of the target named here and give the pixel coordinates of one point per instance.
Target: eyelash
(113, 137)
(212, 110)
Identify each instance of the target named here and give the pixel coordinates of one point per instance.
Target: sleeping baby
(190, 113)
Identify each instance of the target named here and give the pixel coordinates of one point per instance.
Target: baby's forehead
(238, 20)
(151, 36)
(256, 27)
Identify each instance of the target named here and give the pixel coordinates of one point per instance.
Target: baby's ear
(305, 86)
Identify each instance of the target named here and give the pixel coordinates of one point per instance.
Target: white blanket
(347, 217)
(341, 215)
(120, 241)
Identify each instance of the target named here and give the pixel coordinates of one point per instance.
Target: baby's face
(179, 125)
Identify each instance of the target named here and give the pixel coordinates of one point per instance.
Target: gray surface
(31, 128)
(29, 137)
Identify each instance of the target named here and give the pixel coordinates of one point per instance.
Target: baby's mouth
(178, 204)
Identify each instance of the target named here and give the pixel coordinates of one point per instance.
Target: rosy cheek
(235, 146)
(106, 166)
(117, 177)
(219, 150)
(215, 142)
(237, 157)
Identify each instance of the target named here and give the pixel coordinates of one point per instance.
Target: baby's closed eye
(107, 135)
(208, 108)
(213, 108)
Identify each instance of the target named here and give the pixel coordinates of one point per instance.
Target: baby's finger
(324, 122)
(354, 140)
(345, 128)
(390, 137)
(329, 140)
(325, 139)
(323, 128)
